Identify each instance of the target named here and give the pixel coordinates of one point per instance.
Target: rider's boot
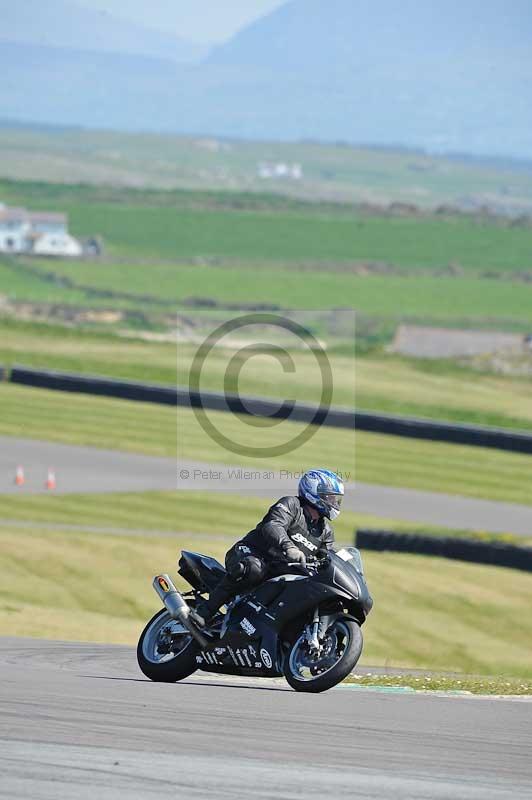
(205, 610)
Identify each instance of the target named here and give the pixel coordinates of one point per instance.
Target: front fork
(318, 628)
(312, 632)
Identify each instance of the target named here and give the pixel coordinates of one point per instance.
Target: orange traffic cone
(19, 477)
(50, 480)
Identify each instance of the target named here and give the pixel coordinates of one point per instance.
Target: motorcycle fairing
(247, 646)
(295, 598)
(251, 638)
(250, 642)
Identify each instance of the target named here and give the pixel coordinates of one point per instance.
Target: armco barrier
(495, 553)
(168, 395)
(474, 435)
(89, 384)
(333, 417)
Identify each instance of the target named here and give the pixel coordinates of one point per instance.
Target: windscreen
(352, 556)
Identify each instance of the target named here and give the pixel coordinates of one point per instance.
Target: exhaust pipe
(176, 607)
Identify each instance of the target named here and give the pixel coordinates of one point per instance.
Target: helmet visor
(332, 500)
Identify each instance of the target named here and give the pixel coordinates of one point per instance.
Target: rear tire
(166, 651)
(305, 673)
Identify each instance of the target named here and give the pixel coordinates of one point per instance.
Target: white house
(56, 244)
(14, 229)
(36, 233)
(267, 170)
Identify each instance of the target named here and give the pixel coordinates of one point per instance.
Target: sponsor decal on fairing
(247, 627)
(266, 658)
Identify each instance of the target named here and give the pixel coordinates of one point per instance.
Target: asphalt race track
(89, 469)
(80, 721)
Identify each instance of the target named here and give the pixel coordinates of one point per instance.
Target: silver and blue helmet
(323, 489)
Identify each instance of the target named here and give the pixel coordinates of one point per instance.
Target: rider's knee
(255, 570)
(249, 570)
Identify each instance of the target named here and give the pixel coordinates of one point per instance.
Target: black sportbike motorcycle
(303, 626)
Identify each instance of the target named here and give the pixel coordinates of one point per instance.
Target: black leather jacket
(287, 524)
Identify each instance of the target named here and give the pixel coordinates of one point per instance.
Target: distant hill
(447, 77)
(84, 88)
(312, 36)
(63, 23)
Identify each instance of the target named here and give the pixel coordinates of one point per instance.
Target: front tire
(166, 650)
(309, 672)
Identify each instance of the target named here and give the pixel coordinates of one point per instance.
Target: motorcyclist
(295, 528)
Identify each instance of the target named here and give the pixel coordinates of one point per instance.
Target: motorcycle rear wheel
(308, 673)
(166, 651)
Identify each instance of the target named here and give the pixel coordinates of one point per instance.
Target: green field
(377, 382)
(180, 235)
(467, 302)
(280, 235)
(159, 292)
(95, 587)
(336, 172)
(373, 458)
(167, 251)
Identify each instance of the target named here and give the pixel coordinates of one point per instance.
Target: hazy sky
(200, 20)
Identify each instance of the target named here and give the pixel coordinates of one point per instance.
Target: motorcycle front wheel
(310, 671)
(166, 651)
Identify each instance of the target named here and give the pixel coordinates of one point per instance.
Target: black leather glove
(295, 556)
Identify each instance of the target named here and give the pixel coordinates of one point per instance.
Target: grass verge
(146, 428)
(198, 513)
(468, 684)
(379, 383)
(429, 614)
